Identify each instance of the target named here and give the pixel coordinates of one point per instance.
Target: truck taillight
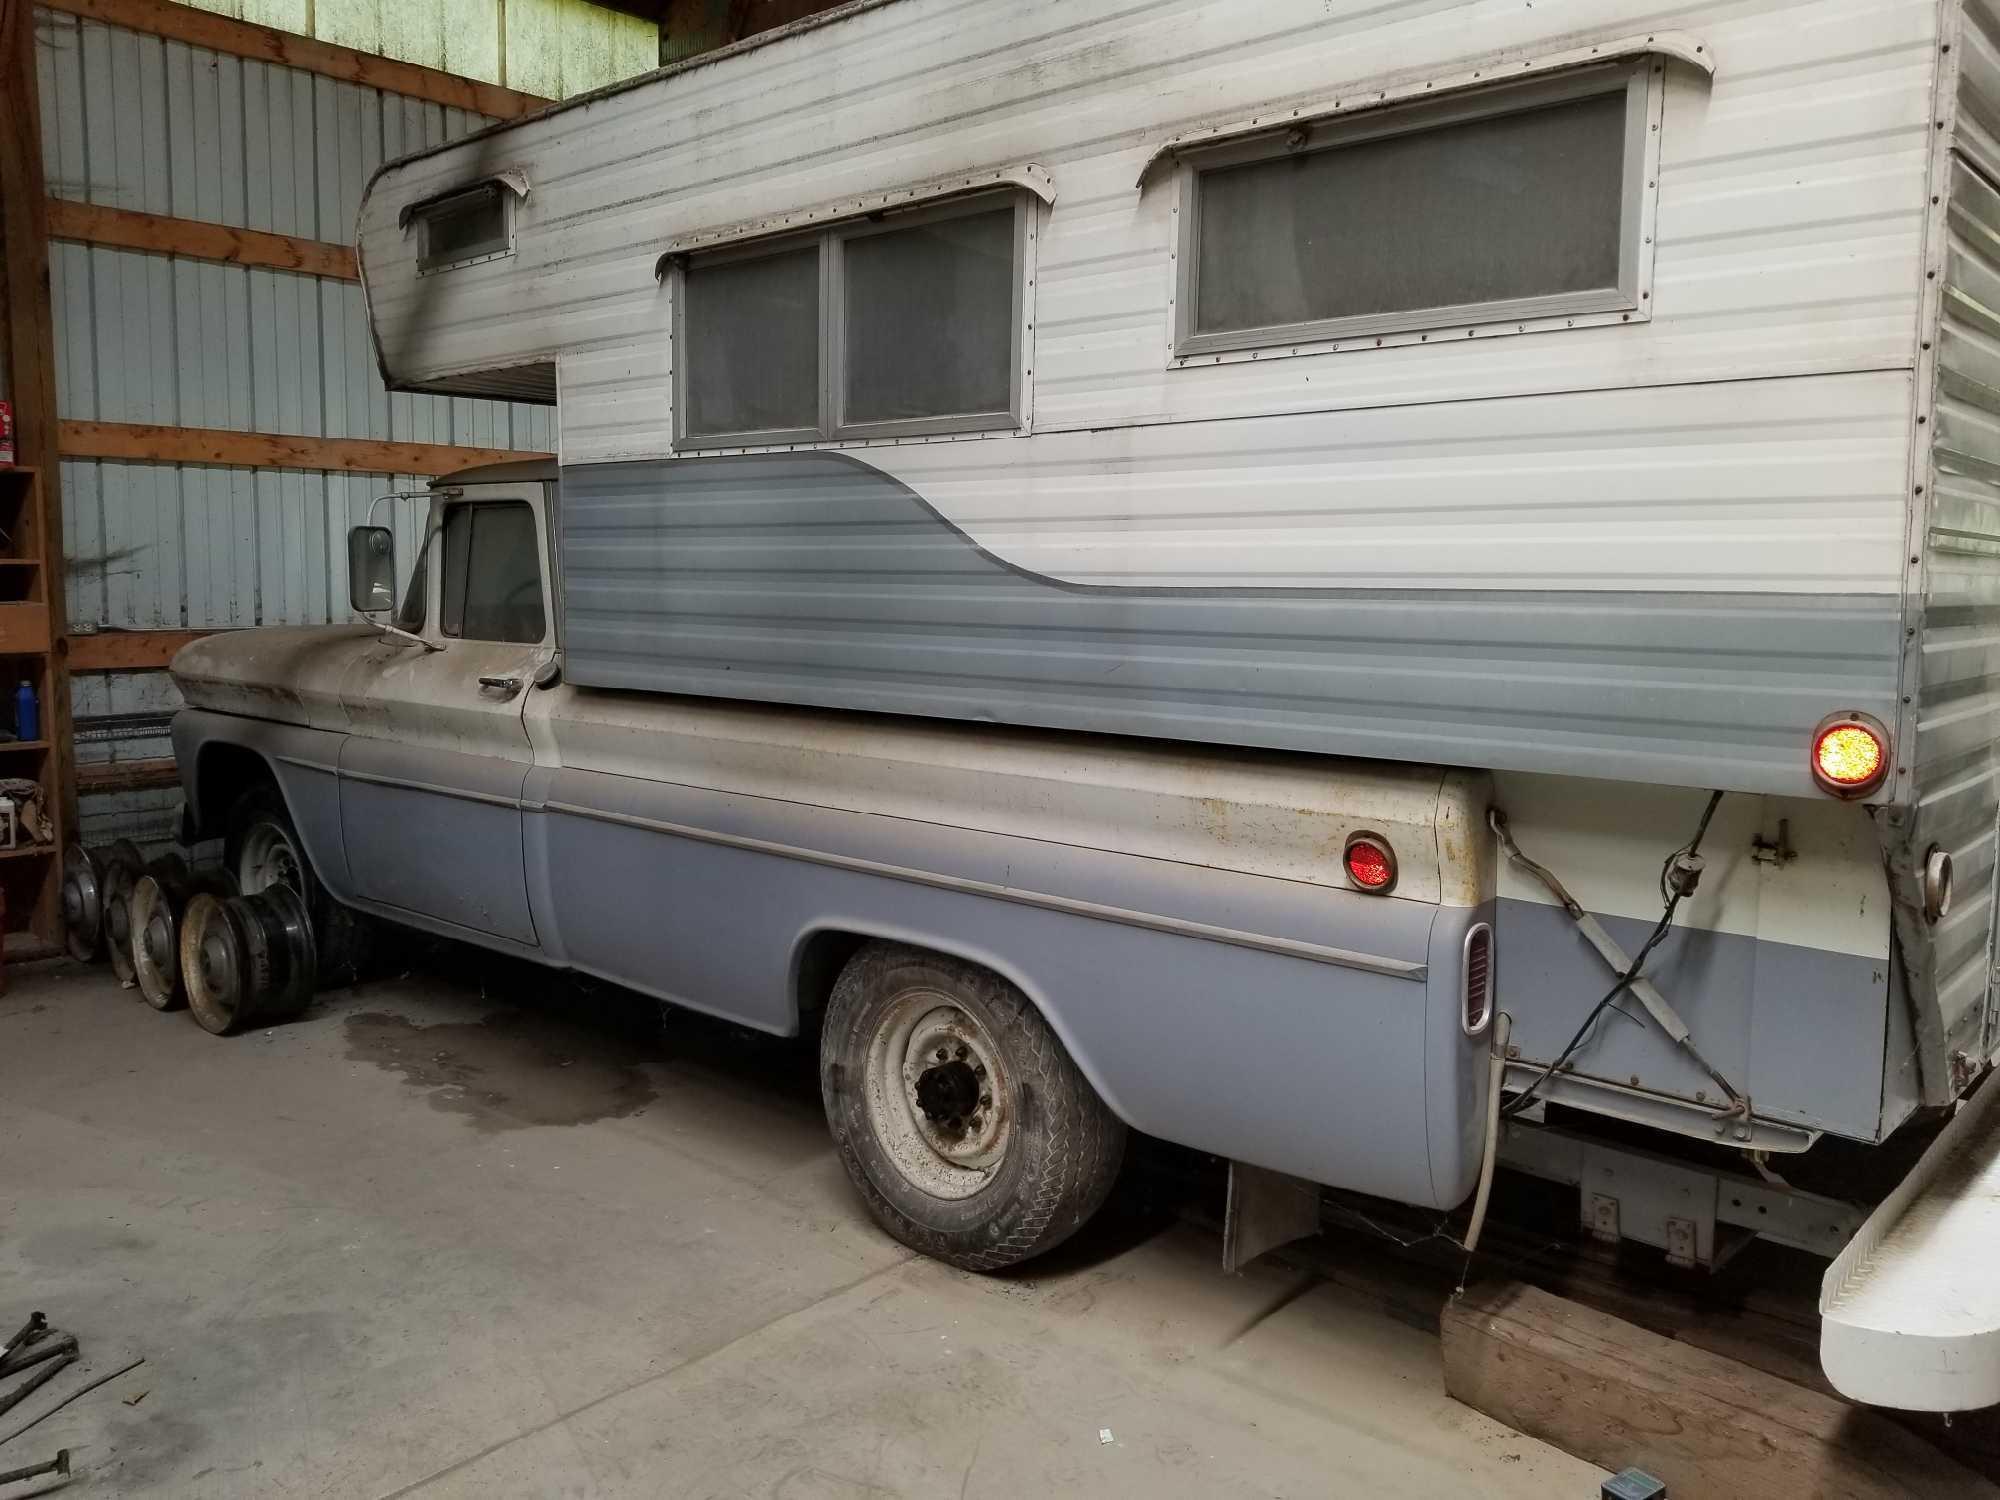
(1850, 754)
(1371, 863)
(1478, 973)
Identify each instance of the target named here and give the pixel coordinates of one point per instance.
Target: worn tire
(1062, 1147)
(344, 939)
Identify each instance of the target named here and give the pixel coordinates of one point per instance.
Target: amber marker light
(1850, 754)
(1371, 863)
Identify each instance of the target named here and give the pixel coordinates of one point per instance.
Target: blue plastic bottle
(27, 712)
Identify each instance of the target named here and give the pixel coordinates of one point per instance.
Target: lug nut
(979, 1070)
(985, 1101)
(973, 1122)
(944, 1054)
(963, 1052)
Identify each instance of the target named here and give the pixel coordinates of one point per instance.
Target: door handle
(506, 685)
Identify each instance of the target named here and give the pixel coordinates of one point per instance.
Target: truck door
(432, 770)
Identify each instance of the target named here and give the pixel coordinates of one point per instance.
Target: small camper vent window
(902, 325)
(464, 228)
(1518, 203)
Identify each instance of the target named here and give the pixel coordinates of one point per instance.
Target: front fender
(215, 752)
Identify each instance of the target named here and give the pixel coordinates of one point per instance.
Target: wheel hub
(218, 961)
(948, 1092)
(160, 940)
(937, 1091)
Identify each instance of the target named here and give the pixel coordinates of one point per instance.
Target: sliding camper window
(899, 325)
(1518, 202)
(467, 227)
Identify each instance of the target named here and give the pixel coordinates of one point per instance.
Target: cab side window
(492, 573)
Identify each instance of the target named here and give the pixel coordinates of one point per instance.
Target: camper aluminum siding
(1654, 546)
(1952, 719)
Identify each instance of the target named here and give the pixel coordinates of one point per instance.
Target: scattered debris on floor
(58, 1467)
(40, 1352)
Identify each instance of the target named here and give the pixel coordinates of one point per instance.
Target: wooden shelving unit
(30, 874)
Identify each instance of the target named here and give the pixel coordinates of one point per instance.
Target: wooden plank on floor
(148, 442)
(200, 28)
(193, 239)
(128, 650)
(1615, 1394)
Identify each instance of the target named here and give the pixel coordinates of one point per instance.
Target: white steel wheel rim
(268, 858)
(153, 937)
(211, 968)
(937, 1095)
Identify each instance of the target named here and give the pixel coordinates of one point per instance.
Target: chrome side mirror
(371, 569)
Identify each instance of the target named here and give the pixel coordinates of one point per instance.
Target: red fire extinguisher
(6, 433)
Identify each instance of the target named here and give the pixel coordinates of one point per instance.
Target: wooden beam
(145, 442)
(200, 28)
(37, 530)
(1616, 1395)
(128, 650)
(95, 224)
(128, 775)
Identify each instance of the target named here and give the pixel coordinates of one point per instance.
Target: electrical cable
(1674, 895)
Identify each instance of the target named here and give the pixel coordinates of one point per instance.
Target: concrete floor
(446, 1237)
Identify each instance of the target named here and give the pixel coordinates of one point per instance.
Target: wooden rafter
(202, 28)
(128, 229)
(145, 442)
(128, 650)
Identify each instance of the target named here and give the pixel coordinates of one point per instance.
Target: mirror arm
(397, 632)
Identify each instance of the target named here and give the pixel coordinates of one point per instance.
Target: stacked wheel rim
(122, 866)
(158, 897)
(246, 960)
(83, 903)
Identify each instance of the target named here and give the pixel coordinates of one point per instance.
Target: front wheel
(958, 1113)
(262, 850)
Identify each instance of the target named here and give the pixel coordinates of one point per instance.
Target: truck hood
(290, 674)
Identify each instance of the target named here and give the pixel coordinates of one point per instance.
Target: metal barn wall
(139, 122)
(551, 47)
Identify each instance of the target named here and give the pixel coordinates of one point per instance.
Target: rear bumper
(1910, 1310)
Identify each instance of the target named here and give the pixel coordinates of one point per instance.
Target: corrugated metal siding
(554, 48)
(809, 578)
(138, 122)
(1954, 768)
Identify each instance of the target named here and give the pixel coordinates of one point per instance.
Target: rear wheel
(970, 1132)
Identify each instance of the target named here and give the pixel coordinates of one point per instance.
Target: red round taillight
(1850, 754)
(1371, 863)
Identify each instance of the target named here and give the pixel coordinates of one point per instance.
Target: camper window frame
(497, 249)
(1628, 301)
(832, 426)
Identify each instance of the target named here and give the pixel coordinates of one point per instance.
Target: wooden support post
(31, 386)
(1616, 1395)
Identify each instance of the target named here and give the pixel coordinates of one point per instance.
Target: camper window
(751, 329)
(1522, 202)
(897, 325)
(464, 228)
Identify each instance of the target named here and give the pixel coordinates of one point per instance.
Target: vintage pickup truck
(1273, 575)
(1022, 941)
